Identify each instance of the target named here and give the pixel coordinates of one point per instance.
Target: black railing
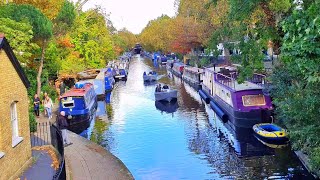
(57, 142)
(49, 134)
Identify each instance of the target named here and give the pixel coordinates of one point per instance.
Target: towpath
(86, 160)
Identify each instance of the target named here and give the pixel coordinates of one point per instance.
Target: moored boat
(80, 104)
(270, 132)
(121, 74)
(151, 76)
(192, 76)
(165, 93)
(177, 68)
(242, 104)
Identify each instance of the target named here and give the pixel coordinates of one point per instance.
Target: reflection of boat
(168, 107)
(80, 104)
(269, 132)
(242, 140)
(165, 94)
(101, 109)
(151, 76)
(275, 145)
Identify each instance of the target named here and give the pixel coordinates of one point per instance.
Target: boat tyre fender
(219, 112)
(204, 96)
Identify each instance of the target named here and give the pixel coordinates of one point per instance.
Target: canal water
(181, 140)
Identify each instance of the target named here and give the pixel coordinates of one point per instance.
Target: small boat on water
(121, 75)
(270, 132)
(80, 104)
(165, 93)
(151, 76)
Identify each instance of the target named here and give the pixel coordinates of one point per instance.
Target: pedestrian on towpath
(48, 105)
(63, 125)
(36, 104)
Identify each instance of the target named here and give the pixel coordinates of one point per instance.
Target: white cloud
(133, 14)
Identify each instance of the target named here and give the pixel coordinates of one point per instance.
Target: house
(15, 148)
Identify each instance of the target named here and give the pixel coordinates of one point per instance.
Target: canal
(182, 140)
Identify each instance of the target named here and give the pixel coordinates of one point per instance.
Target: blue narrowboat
(80, 104)
(109, 80)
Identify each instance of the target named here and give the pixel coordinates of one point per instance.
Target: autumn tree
(41, 26)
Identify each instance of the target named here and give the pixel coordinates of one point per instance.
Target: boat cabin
(221, 82)
(79, 100)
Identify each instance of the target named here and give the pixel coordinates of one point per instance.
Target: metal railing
(49, 134)
(230, 81)
(57, 142)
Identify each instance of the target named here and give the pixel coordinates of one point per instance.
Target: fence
(48, 134)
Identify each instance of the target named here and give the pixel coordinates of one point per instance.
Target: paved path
(41, 169)
(87, 160)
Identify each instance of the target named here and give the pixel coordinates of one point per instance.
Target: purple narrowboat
(243, 105)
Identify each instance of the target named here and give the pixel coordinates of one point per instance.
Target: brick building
(15, 148)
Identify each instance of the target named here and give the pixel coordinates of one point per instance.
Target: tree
(19, 35)
(48, 7)
(297, 80)
(41, 26)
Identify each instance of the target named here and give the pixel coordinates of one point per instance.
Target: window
(14, 123)
(253, 100)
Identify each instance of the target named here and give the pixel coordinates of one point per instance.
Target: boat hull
(149, 77)
(166, 96)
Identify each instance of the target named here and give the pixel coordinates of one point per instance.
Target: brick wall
(12, 89)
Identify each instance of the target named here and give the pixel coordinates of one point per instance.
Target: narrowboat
(193, 76)
(163, 60)
(177, 68)
(80, 104)
(121, 74)
(243, 105)
(109, 79)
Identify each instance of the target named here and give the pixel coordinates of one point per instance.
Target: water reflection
(192, 144)
(168, 107)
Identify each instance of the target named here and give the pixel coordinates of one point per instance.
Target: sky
(133, 14)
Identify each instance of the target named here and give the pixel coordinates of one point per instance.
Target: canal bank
(86, 160)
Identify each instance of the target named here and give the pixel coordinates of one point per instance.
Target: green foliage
(32, 121)
(297, 81)
(19, 35)
(67, 13)
(41, 25)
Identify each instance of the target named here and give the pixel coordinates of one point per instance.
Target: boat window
(69, 104)
(253, 100)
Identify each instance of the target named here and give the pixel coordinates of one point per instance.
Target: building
(15, 148)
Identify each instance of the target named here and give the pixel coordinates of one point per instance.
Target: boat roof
(194, 69)
(75, 92)
(246, 86)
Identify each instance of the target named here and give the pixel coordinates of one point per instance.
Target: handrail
(229, 83)
(61, 172)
